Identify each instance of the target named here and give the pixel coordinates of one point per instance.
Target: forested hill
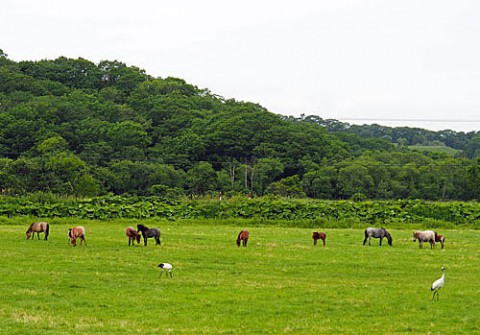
(73, 127)
(467, 143)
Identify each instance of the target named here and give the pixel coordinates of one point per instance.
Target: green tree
(287, 187)
(201, 178)
(321, 183)
(354, 179)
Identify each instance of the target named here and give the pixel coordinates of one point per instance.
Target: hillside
(73, 127)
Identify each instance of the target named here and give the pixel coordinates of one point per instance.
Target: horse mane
(239, 235)
(142, 227)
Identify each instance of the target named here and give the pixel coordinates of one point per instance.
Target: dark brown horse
(38, 227)
(132, 235)
(318, 236)
(148, 233)
(77, 232)
(243, 238)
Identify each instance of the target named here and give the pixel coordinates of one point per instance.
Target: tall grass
(279, 283)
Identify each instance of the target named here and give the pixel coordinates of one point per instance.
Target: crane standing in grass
(438, 284)
(167, 267)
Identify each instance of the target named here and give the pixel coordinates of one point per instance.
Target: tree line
(73, 127)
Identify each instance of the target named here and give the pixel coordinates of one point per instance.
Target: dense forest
(73, 127)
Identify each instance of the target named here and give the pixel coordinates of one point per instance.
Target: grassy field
(279, 284)
(435, 148)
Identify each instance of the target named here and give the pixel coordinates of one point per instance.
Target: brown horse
(77, 232)
(243, 237)
(424, 236)
(440, 238)
(318, 235)
(132, 235)
(38, 227)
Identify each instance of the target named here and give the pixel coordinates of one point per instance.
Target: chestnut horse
(424, 236)
(132, 235)
(77, 232)
(243, 237)
(318, 235)
(38, 227)
(440, 238)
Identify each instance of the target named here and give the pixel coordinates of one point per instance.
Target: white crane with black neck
(438, 284)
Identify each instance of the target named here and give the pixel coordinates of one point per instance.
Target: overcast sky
(359, 61)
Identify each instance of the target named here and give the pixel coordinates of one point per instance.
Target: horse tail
(366, 237)
(47, 231)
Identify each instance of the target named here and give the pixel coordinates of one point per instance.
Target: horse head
(389, 238)
(29, 233)
(415, 236)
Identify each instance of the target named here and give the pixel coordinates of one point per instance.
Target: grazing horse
(148, 233)
(424, 236)
(38, 227)
(377, 233)
(243, 237)
(440, 238)
(318, 235)
(77, 232)
(132, 235)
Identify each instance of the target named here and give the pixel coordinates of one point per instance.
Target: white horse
(424, 236)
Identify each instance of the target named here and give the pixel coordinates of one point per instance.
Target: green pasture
(278, 284)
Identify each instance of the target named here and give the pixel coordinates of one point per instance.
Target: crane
(438, 284)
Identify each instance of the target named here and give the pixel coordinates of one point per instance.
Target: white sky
(358, 61)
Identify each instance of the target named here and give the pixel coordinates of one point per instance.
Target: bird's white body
(438, 284)
(167, 267)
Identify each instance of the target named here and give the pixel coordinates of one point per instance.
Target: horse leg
(157, 239)
(381, 239)
(323, 240)
(365, 239)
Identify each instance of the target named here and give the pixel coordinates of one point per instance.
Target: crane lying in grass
(167, 267)
(438, 284)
